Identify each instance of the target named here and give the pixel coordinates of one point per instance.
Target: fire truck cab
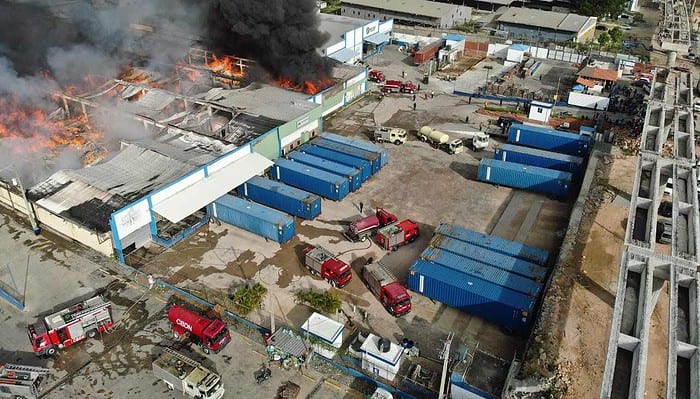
(70, 325)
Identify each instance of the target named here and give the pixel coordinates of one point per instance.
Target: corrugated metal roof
(412, 7)
(261, 212)
(542, 153)
(343, 55)
(549, 173)
(599, 74)
(264, 100)
(378, 38)
(196, 196)
(289, 342)
(133, 172)
(545, 19)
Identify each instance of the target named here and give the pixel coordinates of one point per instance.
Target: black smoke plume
(281, 35)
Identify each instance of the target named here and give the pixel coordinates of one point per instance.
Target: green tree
(600, 8)
(616, 34)
(604, 39)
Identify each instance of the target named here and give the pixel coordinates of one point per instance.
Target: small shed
(516, 53)
(381, 357)
(327, 331)
(540, 111)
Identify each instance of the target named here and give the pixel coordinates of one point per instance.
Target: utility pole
(17, 182)
(445, 354)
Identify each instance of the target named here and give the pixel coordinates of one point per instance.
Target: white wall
(588, 101)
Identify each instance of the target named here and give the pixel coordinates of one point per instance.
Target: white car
(668, 188)
(625, 27)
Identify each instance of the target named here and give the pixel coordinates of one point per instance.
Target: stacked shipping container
(372, 157)
(505, 279)
(352, 174)
(549, 139)
(347, 160)
(497, 244)
(488, 286)
(362, 144)
(533, 178)
(541, 158)
(505, 262)
(253, 217)
(310, 179)
(501, 306)
(280, 196)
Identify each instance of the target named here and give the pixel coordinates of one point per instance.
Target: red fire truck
(391, 86)
(70, 325)
(210, 334)
(393, 236)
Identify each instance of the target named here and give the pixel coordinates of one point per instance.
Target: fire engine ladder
(26, 369)
(181, 357)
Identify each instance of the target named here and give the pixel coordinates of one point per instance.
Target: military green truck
(394, 135)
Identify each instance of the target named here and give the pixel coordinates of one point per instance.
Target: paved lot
(420, 182)
(118, 364)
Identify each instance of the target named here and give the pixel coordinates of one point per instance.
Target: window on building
(539, 110)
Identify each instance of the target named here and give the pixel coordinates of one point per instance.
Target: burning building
(188, 131)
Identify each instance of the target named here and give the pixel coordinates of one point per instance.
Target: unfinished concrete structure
(647, 269)
(675, 28)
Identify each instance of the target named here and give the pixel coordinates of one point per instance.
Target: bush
(246, 298)
(326, 302)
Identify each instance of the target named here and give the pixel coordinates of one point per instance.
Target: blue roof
(456, 38)
(521, 47)
(278, 186)
(310, 170)
(547, 130)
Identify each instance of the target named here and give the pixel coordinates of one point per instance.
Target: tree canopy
(600, 8)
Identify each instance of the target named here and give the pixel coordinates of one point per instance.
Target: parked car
(668, 189)
(625, 27)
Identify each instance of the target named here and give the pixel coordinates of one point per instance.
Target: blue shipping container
(253, 217)
(537, 157)
(473, 295)
(549, 139)
(347, 160)
(503, 278)
(541, 180)
(310, 179)
(490, 257)
(352, 174)
(498, 244)
(372, 157)
(361, 144)
(280, 196)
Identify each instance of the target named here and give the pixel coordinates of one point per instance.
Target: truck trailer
(183, 374)
(384, 286)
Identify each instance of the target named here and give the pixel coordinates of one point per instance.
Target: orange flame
(34, 131)
(225, 65)
(307, 86)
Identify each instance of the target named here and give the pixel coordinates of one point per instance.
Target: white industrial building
(327, 331)
(354, 39)
(408, 12)
(381, 357)
(539, 25)
(199, 141)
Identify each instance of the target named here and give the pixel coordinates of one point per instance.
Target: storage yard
(265, 237)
